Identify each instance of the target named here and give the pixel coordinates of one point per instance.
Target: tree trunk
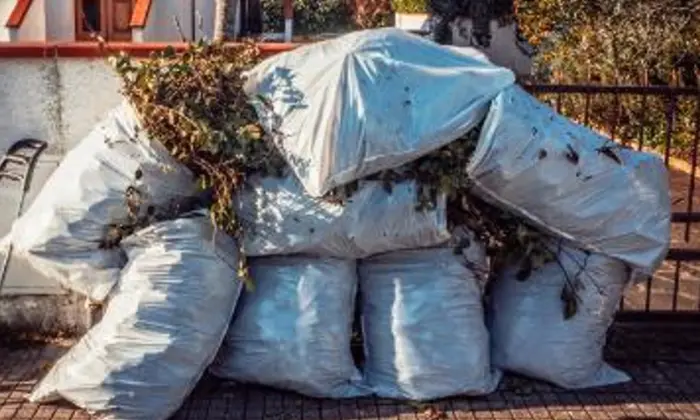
(220, 20)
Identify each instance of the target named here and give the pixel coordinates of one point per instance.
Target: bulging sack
(60, 234)
(163, 325)
(293, 330)
(572, 181)
(281, 218)
(367, 101)
(530, 334)
(423, 325)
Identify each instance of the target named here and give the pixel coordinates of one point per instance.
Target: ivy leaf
(251, 132)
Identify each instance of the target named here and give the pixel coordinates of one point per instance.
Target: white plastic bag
(293, 330)
(162, 327)
(61, 232)
(530, 334)
(423, 325)
(280, 218)
(555, 173)
(371, 100)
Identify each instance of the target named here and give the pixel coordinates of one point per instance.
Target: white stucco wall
(54, 100)
(54, 20)
(34, 24)
(205, 10)
(160, 26)
(6, 7)
(60, 20)
(46, 20)
(503, 51)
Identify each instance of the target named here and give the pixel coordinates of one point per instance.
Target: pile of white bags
(293, 330)
(370, 100)
(530, 334)
(558, 175)
(163, 325)
(340, 110)
(423, 325)
(61, 232)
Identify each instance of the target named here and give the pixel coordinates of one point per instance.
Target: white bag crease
(280, 218)
(423, 324)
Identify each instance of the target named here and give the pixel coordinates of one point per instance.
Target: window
(106, 18)
(91, 16)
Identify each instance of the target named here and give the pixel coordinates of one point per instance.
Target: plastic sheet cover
(370, 100)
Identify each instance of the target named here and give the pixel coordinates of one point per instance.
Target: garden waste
(377, 175)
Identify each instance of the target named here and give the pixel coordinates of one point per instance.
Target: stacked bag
(171, 287)
(342, 110)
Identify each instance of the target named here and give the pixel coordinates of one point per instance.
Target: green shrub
(310, 16)
(410, 6)
(620, 42)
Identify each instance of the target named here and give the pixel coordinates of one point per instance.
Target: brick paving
(664, 361)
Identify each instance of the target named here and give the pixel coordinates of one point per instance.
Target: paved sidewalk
(664, 362)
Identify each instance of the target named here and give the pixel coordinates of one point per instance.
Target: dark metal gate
(666, 121)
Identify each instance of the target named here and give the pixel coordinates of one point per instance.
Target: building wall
(504, 49)
(54, 20)
(6, 7)
(34, 25)
(46, 20)
(60, 20)
(60, 101)
(204, 10)
(56, 100)
(161, 26)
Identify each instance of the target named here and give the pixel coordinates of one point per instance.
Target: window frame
(107, 13)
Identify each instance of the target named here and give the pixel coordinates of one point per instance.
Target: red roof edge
(96, 50)
(18, 13)
(140, 14)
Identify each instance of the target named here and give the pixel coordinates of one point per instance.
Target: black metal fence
(666, 121)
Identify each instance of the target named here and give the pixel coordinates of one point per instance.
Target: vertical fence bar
(586, 112)
(617, 127)
(559, 103)
(670, 113)
(693, 166)
(616, 115)
(676, 285)
(643, 123)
